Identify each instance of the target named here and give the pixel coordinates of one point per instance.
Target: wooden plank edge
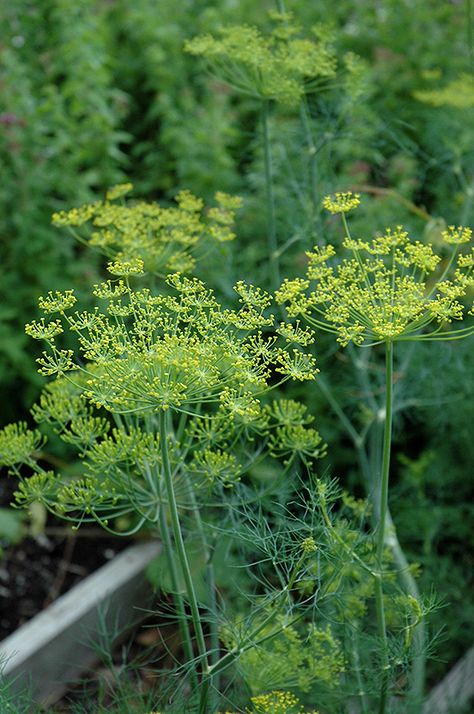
(56, 647)
(456, 690)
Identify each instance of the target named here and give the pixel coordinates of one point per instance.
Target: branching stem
(183, 620)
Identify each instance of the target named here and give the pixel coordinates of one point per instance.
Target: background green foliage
(94, 93)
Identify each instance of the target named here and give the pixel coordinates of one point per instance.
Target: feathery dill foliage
(164, 238)
(280, 66)
(392, 288)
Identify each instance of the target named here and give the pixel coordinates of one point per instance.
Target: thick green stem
(387, 445)
(408, 582)
(183, 620)
(381, 525)
(184, 563)
(272, 243)
(280, 6)
(211, 591)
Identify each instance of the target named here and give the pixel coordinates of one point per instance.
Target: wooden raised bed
(455, 691)
(56, 647)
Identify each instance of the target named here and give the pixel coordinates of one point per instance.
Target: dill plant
(280, 68)
(162, 401)
(392, 289)
(162, 404)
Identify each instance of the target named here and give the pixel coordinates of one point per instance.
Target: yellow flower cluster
(295, 657)
(162, 352)
(18, 444)
(140, 354)
(57, 301)
(278, 702)
(163, 238)
(457, 235)
(118, 191)
(279, 66)
(341, 202)
(308, 545)
(215, 466)
(458, 93)
(390, 289)
(292, 436)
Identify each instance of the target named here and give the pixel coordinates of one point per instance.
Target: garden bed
(53, 649)
(34, 573)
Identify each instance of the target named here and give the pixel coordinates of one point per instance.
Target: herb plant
(185, 414)
(163, 405)
(389, 291)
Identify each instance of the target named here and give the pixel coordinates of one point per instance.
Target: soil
(36, 571)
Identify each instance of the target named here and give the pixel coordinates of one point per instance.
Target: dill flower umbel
(280, 66)
(458, 93)
(162, 352)
(140, 356)
(278, 702)
(165, 239)
(341, 202)
(390, 288)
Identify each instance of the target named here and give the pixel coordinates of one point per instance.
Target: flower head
(164, 238)
(457, 235)
(341, 202)
(387, 289)
(280, 66)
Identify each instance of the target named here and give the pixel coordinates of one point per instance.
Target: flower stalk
(272, 241)
(381, 525)
(183, 561)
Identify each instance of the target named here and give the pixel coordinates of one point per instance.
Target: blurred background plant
(96, 93)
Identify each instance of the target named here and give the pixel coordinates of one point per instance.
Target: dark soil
(38, 570)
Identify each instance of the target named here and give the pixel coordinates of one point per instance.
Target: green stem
(323, 385)
(184, 563)
(211, 590)
(381, 525)
(408, 582)
(361, 693)
(183, 620)
(387, 444)
(418, 673)
(470, 38)
(305, 117)
(272, 243)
